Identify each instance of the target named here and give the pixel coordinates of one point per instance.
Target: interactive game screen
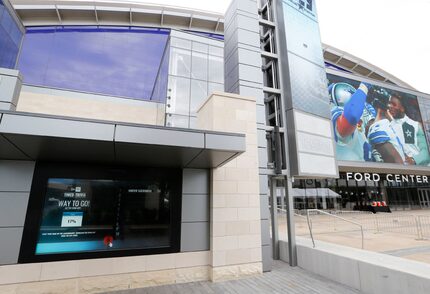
(81, 215)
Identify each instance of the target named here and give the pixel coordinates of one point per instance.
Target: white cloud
(392, 35)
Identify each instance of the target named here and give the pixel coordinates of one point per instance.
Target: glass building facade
(132, 62)
(116, 61)
(196, 70)
(10, 38)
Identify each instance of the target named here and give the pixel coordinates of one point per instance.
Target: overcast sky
(391, 34)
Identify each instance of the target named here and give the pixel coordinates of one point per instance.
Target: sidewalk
(282, 279)
(397, 234)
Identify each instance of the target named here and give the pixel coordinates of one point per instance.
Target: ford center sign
(388, 177)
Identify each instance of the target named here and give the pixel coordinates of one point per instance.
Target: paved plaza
(395, 233)
(282, 279)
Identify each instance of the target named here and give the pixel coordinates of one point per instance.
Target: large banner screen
(376, 124)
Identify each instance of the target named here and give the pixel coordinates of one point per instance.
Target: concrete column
(235, 225)
(243, 75)
(10, 87)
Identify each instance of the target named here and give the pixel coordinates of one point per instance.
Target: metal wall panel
(16, 176)
(303, 84)
(63, 128)
(195, 181)
(13, 207)
(195, 237)
(195, 210)
(223, 142)
(159, 137)
(15, 185)
(265, 233)
(10, 243)
(266, 251)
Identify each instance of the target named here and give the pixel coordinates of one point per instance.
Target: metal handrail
(335, 216)
(295, 214)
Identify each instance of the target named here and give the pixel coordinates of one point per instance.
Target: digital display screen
(376, 124)
(81, 215)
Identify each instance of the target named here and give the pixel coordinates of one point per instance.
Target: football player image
(386, 145)
(350, 115)
(409, 131)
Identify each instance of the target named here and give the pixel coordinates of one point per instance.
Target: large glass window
(180, 64)
(160, 88)
(118, 61)
(196, 71)
(200, 66)
(10, 38)
(102, 211)
(180, 89)
(199, 93)
(216, 69)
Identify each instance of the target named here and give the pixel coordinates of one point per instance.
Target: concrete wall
(15, 185)
(103, 275)
(91, 106)
(369, 272)
(235, 233)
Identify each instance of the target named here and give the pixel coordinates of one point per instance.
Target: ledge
(28, 136)
(225, 95)
(369, 272)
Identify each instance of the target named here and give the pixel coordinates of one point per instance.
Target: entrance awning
(315, 192)
(29, 136)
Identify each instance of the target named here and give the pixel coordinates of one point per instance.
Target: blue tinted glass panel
(16, 35)
(7, 22)
(160, 88)
(1, 10)
(3, 41)
(10, 38)
(34, 59)
(209, 35)
(333, 66)
(118, 61)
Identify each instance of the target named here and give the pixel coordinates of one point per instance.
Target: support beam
(191, 21)
(96, 15)
(58, 14)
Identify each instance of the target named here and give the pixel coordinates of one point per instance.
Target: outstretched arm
(353, 110)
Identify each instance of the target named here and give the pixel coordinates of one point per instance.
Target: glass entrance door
(424, 197)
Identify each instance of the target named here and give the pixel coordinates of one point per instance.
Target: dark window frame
(44, 171)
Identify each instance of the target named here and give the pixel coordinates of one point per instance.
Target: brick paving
(282, 279)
